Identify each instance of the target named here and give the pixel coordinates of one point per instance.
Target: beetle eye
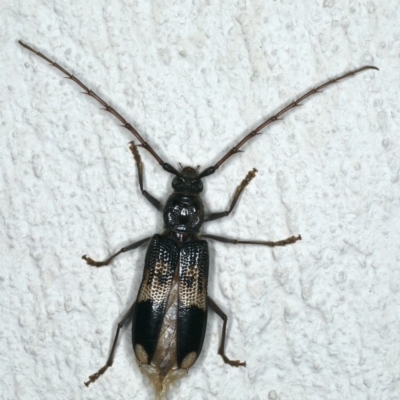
(181, 180)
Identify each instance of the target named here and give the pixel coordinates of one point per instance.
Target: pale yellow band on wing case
(157, 289)
(196, 293)
(141, 354)
(189, 360)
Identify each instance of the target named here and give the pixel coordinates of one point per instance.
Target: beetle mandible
(170, 313)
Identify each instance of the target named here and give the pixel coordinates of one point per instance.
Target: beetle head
(187, 181)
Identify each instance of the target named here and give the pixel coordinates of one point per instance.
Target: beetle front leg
(221, 350)
(132, 246)
(156, 203)
(213, 216)
(110, 360)
(284, 242)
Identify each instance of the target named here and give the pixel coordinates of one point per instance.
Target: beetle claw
(92, 262)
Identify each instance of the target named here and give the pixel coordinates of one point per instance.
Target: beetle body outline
(173, 291)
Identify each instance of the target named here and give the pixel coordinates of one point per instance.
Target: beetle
(169, 316)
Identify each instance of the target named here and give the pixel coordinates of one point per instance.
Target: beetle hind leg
(93, 378)
(221, 350)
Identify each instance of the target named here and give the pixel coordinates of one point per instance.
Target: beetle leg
(132, 246)
(156, 203)
(110, 360)
(221, 350)
(284, 242)
(216, 215)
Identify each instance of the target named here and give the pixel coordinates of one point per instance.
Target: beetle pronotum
(170, 313)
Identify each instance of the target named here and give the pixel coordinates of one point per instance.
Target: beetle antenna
(276, 117)
(167, 167)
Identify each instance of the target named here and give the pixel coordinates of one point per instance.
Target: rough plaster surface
(317, 320)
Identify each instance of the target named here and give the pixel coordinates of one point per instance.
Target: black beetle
(170, 312)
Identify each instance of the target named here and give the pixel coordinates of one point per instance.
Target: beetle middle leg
(216, 215)
(221, 350)
(110, 359)
(284, 242)
(132, 246)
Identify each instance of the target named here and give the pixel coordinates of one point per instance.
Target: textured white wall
(317, 320)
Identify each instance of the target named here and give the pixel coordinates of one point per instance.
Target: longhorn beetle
(170, 313)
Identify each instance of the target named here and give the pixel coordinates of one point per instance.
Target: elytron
(169, 316)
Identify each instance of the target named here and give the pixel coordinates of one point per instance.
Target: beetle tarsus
(290, 240)
(94, 263)
(232, 363)
(93, 378)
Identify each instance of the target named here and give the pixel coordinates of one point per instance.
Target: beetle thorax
(184, 213)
